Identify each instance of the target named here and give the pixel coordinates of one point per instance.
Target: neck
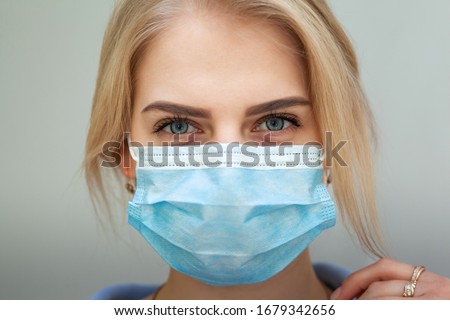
(296, 281)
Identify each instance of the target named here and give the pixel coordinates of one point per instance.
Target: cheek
(286, 135)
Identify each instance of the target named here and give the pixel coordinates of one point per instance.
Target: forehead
(206, 57)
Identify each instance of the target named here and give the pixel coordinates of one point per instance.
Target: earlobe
(326, 176)
(130, 186)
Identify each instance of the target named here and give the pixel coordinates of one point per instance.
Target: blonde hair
(338, 100)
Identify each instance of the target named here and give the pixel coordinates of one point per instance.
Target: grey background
(50, 244)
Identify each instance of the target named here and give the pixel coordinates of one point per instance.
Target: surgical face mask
(230, 214)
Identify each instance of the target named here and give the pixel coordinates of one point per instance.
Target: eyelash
(285, 116)
(177, 118)
(167, 121)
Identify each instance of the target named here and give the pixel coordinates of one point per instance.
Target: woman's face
(214, 78)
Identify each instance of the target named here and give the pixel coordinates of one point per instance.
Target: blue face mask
(230, 214)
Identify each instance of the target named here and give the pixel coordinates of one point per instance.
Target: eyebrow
(202, 113)
(177, 109)
(276, 104)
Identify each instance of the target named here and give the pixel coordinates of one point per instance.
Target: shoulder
(330, 274)
(124, 292)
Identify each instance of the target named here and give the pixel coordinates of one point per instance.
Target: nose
(228, 132)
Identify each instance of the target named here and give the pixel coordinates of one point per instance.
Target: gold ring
(409, 290)
(416, 274)
(410, 287)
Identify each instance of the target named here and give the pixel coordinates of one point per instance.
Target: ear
(128, 165)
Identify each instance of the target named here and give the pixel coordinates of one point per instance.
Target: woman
(268, 72)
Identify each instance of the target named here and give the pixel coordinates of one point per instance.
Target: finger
(390, 298)
(392, 288)
(358, 282)
(379, 289)
(402, 298)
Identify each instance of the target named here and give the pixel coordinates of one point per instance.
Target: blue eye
(177, 127)
(274, 124)
(277, 122)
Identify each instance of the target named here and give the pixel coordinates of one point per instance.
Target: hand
(386, 279)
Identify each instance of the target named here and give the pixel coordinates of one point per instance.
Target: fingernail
(336, 293)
